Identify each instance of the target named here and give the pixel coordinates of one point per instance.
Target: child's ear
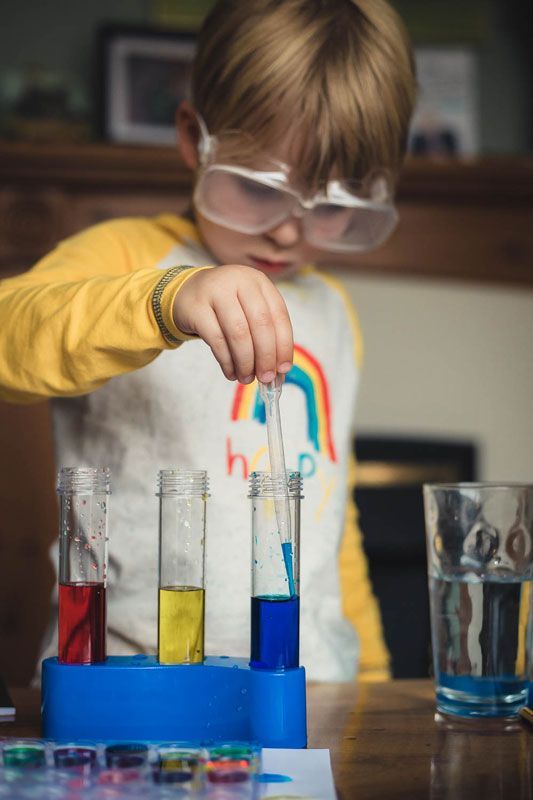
(188, 134)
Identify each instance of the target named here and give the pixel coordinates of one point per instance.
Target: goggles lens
(344, 229)
(233, 199)
(350, 217)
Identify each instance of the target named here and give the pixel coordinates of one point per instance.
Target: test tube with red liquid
(83, 494)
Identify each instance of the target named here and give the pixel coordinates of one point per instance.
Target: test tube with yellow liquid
(182, 506)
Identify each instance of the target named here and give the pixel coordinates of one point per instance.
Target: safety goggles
(243, 189)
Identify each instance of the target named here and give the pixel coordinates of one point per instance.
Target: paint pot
(24, 755)
(178, 757)
(243, 751)
(127, 755)
(236, 770)
(179, 764)
(74, 757)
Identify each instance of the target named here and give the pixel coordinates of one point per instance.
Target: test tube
(275, 631)
(182, 511)
(83, 493)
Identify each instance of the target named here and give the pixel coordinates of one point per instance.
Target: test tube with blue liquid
(275, 631)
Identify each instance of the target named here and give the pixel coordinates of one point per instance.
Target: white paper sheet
(310, 771)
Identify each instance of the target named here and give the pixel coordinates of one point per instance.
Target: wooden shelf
(464, 220)
(104, 167)
(107, 166)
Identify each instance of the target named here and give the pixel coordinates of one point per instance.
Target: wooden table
(386, 743)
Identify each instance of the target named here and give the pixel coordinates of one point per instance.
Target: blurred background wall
(449, 360)
(58, 36)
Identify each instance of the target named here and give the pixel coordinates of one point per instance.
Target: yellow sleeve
(83, 314)
(359, 602)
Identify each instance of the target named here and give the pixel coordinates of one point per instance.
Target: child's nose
(287, 233)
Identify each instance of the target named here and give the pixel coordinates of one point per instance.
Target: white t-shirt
(180, 411)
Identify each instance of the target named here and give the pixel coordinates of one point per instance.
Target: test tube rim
(83, 480)
(259, 486)
(172, 482)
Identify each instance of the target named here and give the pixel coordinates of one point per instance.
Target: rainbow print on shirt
(308, 375)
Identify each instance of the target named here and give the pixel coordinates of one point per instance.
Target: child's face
(278, 252)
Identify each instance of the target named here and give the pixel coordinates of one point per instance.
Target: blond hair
(336, 75)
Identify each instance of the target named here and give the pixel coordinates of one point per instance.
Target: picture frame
(446, 118)
(143, 75)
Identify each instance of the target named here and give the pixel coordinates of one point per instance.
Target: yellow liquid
(181, 625)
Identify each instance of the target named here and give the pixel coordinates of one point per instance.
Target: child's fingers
(283, 329)
(211, 332)
(262, 332)
(242, 317)
(234, 326)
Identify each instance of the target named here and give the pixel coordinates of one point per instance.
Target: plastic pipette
(270, 393)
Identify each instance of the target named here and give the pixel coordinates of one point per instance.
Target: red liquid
(82, 623)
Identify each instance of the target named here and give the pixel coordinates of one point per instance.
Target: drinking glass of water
(479, 540)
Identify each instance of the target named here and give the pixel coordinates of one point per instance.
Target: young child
(296, 132)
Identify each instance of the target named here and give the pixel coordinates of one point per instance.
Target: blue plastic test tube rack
(135, 697)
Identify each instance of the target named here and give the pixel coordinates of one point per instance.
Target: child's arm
(84, 314)
(81, 315)
(359, 602)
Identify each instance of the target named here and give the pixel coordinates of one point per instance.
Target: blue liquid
(287, 558)
(275, 632)
(470, 696)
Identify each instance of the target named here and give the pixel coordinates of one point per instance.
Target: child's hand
(243, 318)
